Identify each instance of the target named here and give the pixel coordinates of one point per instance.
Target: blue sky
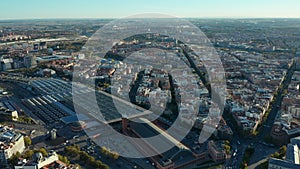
(26, 9)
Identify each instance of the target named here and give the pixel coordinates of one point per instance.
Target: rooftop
(7, 137)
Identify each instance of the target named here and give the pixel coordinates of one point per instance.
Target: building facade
(10, 143)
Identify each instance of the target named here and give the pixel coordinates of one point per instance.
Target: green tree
(27, 141)
(285, 91)
(90, 159)
(14, 158)
(78, 166)
(276, 155)
(104, 166)
(227, 149)
(104, 150)
(282, 150)
(44, 152)
(97, 164)
(72, 151)
(84, 156)
(64, 159)
(28, 154)
(115, 155)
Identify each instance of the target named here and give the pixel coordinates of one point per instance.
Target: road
(261, 151)
(253, 166)
(241, 143)
(266, 129)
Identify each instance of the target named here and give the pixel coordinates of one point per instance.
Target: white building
(39, 162)
(10, 143)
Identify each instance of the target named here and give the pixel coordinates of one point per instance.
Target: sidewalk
(253, 166)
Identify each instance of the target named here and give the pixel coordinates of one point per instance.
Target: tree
(84, 156)
(24, 119)
(27, 141)
(64, 159)
(72, 150)
(115, 155)
(227, 148)
(44, 152)
(104, 166)
(280, 153)
(97, 164)
(285, 91)
(104, 150)
(14, 158)
(90, 159)
(282, 150)
(276, 155)
(106, 85)
(28, 154)
(78, 166)
(76, 147)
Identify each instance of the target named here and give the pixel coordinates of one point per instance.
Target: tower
(53, 134)
(124, 124)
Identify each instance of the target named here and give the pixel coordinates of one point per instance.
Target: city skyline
(161, 84)
(178, 8)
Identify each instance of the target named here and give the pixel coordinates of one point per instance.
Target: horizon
(94, 9)
(206, 18)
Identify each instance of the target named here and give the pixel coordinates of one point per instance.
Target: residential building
(11, 142)
(216, 151)
(40, 162)
(292, 159)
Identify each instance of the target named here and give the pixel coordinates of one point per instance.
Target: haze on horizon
(33, 9)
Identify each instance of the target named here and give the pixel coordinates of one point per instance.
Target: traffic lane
(241, 150)
(261, 152)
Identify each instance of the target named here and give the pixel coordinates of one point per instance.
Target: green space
(75, 154)
(247, 156)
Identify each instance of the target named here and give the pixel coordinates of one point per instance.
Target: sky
(40, 9)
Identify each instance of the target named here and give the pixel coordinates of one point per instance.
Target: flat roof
(74, 118)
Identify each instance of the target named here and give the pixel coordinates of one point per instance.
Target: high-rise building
(30, 61)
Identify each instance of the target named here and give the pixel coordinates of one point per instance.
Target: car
(77, 136)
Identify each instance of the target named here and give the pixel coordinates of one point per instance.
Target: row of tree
(27, 155)
(75, 152)
(25, 119)
(280, 153)
(227, 146)
(114, 155)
